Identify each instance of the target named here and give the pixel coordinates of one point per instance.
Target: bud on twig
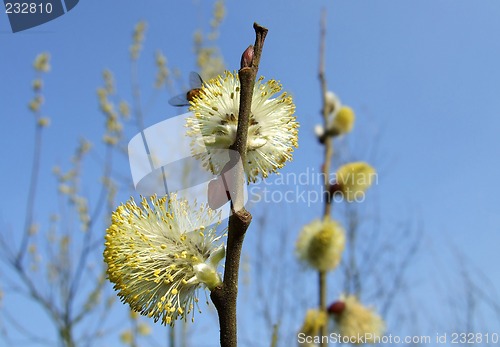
(247, 57)
(336, 308)
(335, 188)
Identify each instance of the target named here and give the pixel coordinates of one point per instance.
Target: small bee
(195, 83)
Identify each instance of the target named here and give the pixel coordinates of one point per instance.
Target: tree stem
(224, 297)
(328, 144)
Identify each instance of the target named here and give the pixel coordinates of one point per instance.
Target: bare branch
(224, 297)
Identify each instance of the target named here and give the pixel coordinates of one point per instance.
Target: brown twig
(224, 297)
(322, 282)
(328, 140)
(33, 186)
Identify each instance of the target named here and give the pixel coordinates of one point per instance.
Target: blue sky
(423, 77)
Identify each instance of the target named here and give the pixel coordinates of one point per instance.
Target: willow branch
(33, 185)
(322, 281)
(324, 89)
(224, 297)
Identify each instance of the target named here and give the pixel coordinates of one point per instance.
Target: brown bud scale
(247, 57)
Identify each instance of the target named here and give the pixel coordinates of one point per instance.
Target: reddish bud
(335, 188)
(336, 308)
(247, 57)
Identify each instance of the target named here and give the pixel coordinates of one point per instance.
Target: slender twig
(30, 203)
(224, 297)
(326, 164)
(328, 140)
(352, 238)
(21, 327)
(85, 251)
(322, 302)
(139, 116)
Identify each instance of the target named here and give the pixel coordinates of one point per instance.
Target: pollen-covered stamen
(358, 323)
(154, 253)
(320, 244)
(272, 131)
